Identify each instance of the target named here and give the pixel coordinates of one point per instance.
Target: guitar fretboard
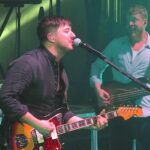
(82, 123)
(76, 125)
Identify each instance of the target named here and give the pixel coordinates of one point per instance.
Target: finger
(102, 113)
(52, 126)
(101, 122)
(105, 100)
(107, 94)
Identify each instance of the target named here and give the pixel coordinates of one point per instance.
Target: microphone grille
(76, 42)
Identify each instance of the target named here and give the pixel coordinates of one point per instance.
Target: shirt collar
(147, 45)
(50, 56)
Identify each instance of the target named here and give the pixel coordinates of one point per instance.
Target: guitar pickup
(40, 138)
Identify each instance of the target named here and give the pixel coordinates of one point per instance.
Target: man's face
(135, 25)
(64, 37)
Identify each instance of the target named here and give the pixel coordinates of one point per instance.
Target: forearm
(45, 127)
(94, 80)
(74, 119)
(30, 119)
(97, 85)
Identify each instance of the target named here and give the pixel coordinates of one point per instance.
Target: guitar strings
(127, 96)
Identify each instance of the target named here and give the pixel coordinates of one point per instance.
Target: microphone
(78, 43)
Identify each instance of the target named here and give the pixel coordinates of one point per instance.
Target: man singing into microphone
(36, 83)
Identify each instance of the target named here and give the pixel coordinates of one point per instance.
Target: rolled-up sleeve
(97, 69)
(99, 66)
(67, 116)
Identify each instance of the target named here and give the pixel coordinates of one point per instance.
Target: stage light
(25, 19)
(13, 2)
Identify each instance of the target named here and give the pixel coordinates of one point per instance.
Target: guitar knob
(41, 148)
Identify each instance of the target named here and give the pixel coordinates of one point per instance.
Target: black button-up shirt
(34, 83)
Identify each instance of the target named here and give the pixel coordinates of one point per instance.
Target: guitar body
(24, 137)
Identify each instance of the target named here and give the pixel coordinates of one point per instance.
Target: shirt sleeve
(67, 116)
(18, 77)
(99, 66)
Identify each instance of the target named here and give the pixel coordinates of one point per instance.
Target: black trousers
(5, 134)
(121, 133)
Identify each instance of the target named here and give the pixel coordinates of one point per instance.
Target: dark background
(94, 21)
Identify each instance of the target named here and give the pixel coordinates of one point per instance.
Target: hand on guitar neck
(102, 120)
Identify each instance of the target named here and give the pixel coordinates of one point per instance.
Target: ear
(145, 22)
(51, 37)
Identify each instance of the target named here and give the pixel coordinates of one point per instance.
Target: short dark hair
(50, 24)
(138, 9)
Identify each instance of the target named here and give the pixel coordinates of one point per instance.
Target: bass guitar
(25, 137)
(123, 93)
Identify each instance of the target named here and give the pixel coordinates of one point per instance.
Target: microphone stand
(105, 59)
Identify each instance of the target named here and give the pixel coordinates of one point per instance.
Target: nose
(131, 23)
(73, 35)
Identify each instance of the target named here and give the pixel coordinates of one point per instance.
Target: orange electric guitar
(25, 137)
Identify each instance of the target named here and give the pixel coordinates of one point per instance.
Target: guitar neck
(64, 128)
(82, 123)
(139, 92)
(129, 96)
(124, 93)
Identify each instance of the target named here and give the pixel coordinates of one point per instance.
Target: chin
(70, 47)
(132, 35)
